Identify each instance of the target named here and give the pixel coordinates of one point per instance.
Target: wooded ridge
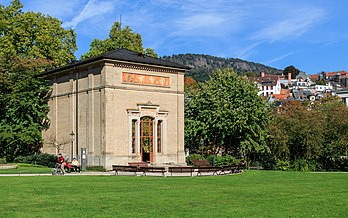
(204, 65)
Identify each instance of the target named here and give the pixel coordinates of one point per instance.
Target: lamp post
(201, 143)
(72, 134)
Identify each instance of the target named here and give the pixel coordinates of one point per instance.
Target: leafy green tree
(296, 134)
(33, 36)
(312, 139)
(335, 116)
(24, 111)
(291, 69)
(226, 113)
(320, 82)
(119, 38)
(29, 43)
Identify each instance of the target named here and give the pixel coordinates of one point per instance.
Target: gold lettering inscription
(143, 79)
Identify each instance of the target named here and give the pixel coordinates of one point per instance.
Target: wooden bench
(203, 166)
(71, 168)
(138, 164)
(209, 169)
(201, 163)
(229, 169)
(161, 170)
(183, 169)
(124, 168)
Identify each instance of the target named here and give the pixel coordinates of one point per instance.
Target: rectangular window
(159, 136)
(133, 136)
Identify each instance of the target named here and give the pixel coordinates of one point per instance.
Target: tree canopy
(225, 113)
(119, 38)
(23, 113)
(29, 43)
(33, 36)
(291, 69)
(308, 139)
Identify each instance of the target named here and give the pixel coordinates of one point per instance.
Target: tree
(119, 38)
(291, 69)
(33, 36)
(29, 43)
(57, 142)
(225, 113)
(23, 112)
(320, 82)
(308, 139)
(335, 115)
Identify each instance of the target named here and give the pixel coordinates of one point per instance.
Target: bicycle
(57, 170)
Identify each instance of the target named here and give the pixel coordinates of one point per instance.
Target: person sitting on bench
(76, 165)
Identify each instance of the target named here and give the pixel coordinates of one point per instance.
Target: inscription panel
(143, 79)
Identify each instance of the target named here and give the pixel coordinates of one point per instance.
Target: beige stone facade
(120, 111)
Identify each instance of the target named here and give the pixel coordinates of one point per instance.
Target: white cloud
(246, 52)
(279, 58)
(61, 9)
(199, 22)
(292, 27)
(93, 8)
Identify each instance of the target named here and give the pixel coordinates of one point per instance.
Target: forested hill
(204, 65)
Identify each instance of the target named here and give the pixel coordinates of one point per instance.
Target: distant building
(268, 84)
(343, 94)
(284, 94)
(324, 88)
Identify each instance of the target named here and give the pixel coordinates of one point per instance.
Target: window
(159, 136)
(133, 136)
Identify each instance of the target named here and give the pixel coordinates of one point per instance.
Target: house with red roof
(268, 84)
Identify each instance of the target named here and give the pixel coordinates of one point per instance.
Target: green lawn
(27, 169)
(252, 194)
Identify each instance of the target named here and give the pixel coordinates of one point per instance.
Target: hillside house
(268, 84)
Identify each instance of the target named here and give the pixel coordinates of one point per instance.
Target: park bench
(138, 164)
(203, 166)
(124, 168)
(229, 169)
(146, 169)
(182, 169)
(71, 168)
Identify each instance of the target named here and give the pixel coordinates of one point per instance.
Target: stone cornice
(99, 88)
(137, 66)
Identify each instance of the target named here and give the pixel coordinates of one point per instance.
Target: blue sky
(312, 35)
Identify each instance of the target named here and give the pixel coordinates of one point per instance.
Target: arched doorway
(147, 138)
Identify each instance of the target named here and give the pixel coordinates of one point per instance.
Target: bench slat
(153, 170)
(183, 169)
(124, 168)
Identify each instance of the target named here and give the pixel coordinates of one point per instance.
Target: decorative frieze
(144, 79)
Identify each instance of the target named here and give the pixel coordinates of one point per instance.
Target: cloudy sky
(312, 35)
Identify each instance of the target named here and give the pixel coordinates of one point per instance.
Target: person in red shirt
(61, 162)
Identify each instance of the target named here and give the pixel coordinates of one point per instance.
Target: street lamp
(201, 143)
(72, 135)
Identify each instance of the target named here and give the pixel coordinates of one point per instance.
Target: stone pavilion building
(116, 108)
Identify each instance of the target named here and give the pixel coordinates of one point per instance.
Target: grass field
(251, 194)
(26, 169)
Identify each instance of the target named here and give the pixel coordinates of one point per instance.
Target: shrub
(3, 161)
(283, 165)
(219, 161)
(42, 159)
(95, 168)
(305, 165)
(193, 157)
